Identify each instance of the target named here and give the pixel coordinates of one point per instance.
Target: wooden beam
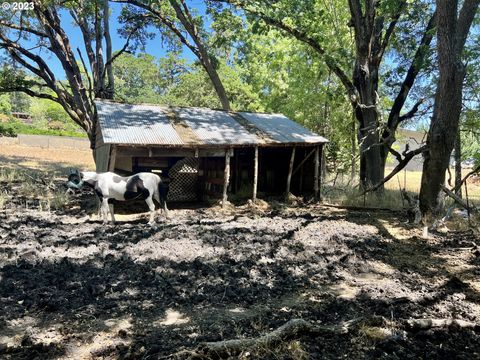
(226, 177)
(316, 173)
(290, 171)
(303, 162)
(113, 158)
(255, 174)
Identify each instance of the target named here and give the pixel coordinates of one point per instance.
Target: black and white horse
(110, 186)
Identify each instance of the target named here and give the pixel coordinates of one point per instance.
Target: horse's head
(75, 179)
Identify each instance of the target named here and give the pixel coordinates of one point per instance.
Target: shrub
(7, 130)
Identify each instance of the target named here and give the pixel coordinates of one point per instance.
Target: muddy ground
(71, 288)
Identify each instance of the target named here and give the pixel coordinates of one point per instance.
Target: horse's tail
(163, 187)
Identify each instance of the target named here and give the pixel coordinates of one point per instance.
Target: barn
(209, 153)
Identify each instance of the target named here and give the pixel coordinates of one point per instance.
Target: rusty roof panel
(281, 129)
(215, 126)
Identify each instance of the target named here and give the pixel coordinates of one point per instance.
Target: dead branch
(408, 156)
(474, 171)
(291, 330)
(459, 200)
(296, 328)
(425, 324)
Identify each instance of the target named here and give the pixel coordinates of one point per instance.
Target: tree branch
(458, 186)
(412, 111)
(90, 85)
(465, 19)
(122, 50)
(164, 20)
(401, 164)
(414, 69)
(329, 61)
(23, 28)
(42, 71)
(390, 29)
(30, 92)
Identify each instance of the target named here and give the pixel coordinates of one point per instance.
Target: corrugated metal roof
(282, 129)
(215, 126)
(157, 125)
(136, 124)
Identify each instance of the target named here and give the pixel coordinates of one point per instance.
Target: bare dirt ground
(72, 288)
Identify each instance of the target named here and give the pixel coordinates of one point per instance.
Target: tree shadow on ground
(132, 291)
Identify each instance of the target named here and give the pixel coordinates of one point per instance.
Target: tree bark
(110, 88)
(451, 37)
(100, 85)
(458, 164)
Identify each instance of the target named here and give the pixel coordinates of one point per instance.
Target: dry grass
(17, 156)
(35, 187)
(344, 193)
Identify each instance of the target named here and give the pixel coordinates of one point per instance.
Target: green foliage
(195, 89)
(172, 81)
(7, 130)
(5, 104)
(291, 80)
(18, 127)
(136, 78)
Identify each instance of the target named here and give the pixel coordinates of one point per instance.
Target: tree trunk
(100, 85)
(458, 165)
(451, 37)
(365, 79)
(215, 79)
(353, 150)
(109, 91)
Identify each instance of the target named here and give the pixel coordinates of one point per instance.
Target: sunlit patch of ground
(17, 156)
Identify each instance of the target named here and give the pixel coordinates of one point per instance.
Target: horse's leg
(165, 210)
(110, 209)
(157, 198)
(105, 210)
(151, 206)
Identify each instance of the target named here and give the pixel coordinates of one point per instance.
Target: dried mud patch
(72, 288)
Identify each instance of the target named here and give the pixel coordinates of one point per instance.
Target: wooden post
(305, 158)
(113, 157)
(235, 172)
(255, 175)
(226, 177)
(316, 173)
(290, 170)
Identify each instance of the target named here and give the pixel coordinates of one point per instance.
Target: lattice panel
(184, 176)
